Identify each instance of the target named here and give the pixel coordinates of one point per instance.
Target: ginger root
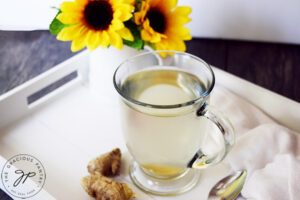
(107, 164)
(104, 188)
(99, 186)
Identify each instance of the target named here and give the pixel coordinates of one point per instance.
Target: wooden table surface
(24, 55)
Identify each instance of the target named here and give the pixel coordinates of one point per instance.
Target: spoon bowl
(229, 187)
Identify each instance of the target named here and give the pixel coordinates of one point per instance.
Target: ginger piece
(107, 164)
(104, 188)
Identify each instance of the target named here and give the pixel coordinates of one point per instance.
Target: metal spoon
(229, 187)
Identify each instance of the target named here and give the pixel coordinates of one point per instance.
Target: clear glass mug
(167, 138)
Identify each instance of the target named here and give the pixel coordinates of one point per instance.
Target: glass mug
(164, 111)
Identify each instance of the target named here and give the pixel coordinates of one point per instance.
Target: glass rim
(191, 102)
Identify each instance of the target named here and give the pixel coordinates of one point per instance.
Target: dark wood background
(271, 65)
(24, 55)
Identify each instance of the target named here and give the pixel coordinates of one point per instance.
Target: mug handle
(200, 160)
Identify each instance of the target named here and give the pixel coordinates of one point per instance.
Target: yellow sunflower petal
(126, 8)
(182, 11)
(79, 42)
(115, 40)
(184, 33)
(163, 46)
(146, 24)
(179, 17)
(167, 5)
(177, 21)
(174, 44)
(69, 33)
(179, 45)
(123, 16)
(147, 36)
(104, 39)
(116, 24)
(69, 18)
(155, 38)
(81, 3)
(70, 6)
(139, 18)
(126, 34)
(131, 2)
(92, 40)
(98, 40)
(181, 33)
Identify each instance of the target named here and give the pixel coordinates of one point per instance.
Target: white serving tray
(71, 125)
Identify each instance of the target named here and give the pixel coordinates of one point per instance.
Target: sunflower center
(157, 20)
(98, 14)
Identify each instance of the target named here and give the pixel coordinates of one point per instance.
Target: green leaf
(138, 43)
(56, 26)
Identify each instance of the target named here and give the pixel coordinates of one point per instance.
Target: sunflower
(94, 23)
(163, 24)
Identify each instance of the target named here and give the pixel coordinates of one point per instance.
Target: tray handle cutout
(42, 93)
(24, 99)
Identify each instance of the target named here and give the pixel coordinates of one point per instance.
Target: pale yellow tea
(163, 140)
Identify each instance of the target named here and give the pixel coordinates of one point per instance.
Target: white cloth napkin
(269, 151)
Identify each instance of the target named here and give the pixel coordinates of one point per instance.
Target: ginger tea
(161, 139)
